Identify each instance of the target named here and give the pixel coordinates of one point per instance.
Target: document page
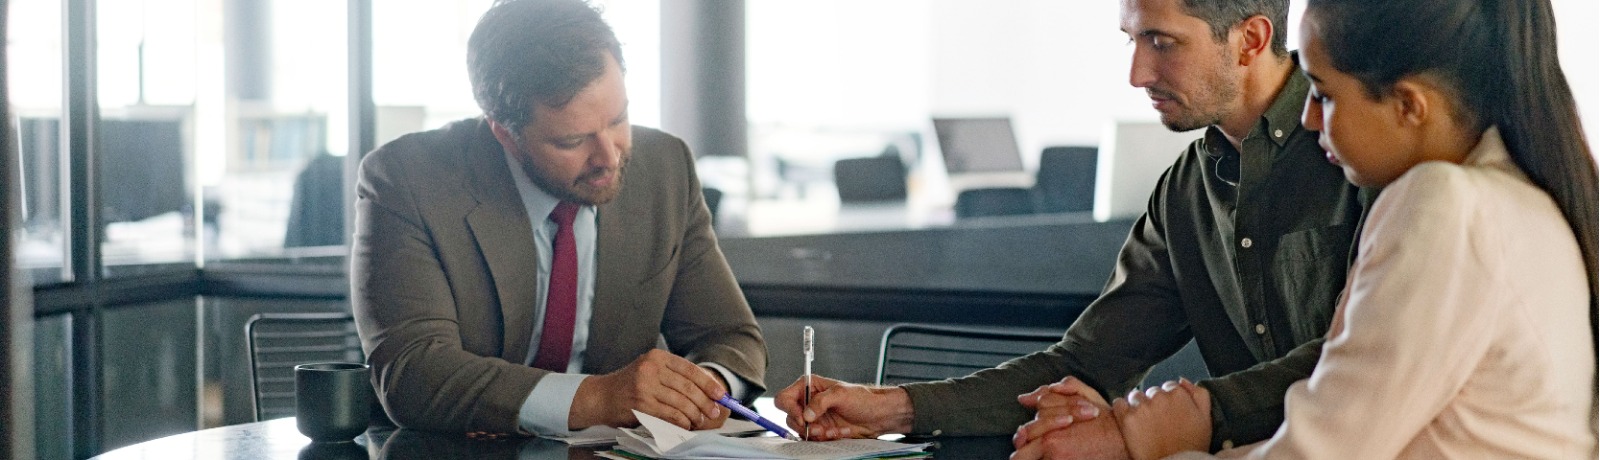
(602, 435)
(659, 439)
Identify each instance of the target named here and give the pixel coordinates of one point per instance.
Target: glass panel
(277, 182)
(52, 386)
(868, 94)
(34, 50)
(148, 74)
(419, 57)
(148, 386)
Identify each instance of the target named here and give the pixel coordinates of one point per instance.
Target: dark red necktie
(561, 303)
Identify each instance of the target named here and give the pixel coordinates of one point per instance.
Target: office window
(52, 386)
(148, 372)
(223, 128)
(860, 90)
(148, 66)
(34, 49)
(275, 183)
(420, 61)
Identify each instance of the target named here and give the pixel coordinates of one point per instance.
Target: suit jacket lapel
(503, 234)
(605, 313)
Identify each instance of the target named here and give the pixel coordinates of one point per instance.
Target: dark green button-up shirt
(1244, 252)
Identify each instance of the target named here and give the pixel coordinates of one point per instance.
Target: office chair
(280, 341)
(918, 353)
(713, 201)
(880, 178)
(1000, 201)
(1065, 181)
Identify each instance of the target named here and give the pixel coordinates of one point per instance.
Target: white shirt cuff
(545, 411)
(736, 386)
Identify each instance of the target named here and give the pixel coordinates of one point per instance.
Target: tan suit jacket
(443, 267)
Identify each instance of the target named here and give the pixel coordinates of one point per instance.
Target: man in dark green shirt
(1244, 248)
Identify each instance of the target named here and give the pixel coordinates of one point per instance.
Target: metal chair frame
(257, 364)
(886, 346)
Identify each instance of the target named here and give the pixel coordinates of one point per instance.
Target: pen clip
(807, 344)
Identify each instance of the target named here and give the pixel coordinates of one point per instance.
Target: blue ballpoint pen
(754, 417)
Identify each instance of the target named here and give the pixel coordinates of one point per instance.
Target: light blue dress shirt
(545, 410)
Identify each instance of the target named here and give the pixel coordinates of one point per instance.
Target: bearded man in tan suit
(465, 278)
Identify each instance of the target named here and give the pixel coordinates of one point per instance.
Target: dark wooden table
(279, 439)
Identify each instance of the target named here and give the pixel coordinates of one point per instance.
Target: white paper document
(657, 438)
(602, 435)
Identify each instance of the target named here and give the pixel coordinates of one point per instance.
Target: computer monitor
(1133, 154)
(980, 152)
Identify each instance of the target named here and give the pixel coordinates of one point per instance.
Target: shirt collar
(1491, 152)
(1282, 118)
(538, 202)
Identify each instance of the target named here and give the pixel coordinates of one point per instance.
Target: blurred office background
(181, 165)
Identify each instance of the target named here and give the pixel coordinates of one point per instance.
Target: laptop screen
(977, 145)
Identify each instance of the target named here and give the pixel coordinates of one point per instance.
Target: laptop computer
(980, 152)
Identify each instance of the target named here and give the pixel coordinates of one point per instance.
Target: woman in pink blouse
(1467, 325)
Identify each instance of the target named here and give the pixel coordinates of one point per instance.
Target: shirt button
(1261, 328)
(1246, 243)
(937, 432)
(1227, 444)
(1277, 133)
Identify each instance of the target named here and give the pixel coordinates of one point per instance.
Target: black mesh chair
(987, 202)
(280, 341)
(1066, 179)
(881, 178)
(918, 353)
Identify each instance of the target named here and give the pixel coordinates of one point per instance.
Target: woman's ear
(1413, 102)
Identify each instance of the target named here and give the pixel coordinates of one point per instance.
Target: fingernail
(1064, 420)
(811, 416)
(1088, 410)
(845, 431)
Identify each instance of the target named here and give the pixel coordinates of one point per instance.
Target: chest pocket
(1309, 271)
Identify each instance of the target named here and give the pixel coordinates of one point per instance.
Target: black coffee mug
(331, 400)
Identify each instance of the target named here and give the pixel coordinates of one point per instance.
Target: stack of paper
(600, 435)
(659, 439)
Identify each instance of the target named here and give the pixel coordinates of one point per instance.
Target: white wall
(1578, 41)
(1060, 68)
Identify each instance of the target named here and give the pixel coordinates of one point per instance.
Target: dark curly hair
(536, 51)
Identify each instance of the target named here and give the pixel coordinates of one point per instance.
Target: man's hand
(844, 410)
(1068, 424)
(660, 384)
(1057, 406)
(1165, 420)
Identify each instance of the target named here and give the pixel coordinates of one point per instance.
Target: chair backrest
(999, 201)
(1066, 179)
(881, 178)
(919, 353)
(280, 341)
(713, 201)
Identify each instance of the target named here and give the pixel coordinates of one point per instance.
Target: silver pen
(807, 344)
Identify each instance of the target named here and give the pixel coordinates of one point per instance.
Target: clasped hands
(1071, 419)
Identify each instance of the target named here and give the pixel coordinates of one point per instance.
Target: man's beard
(1199, 112)
(579, 191)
